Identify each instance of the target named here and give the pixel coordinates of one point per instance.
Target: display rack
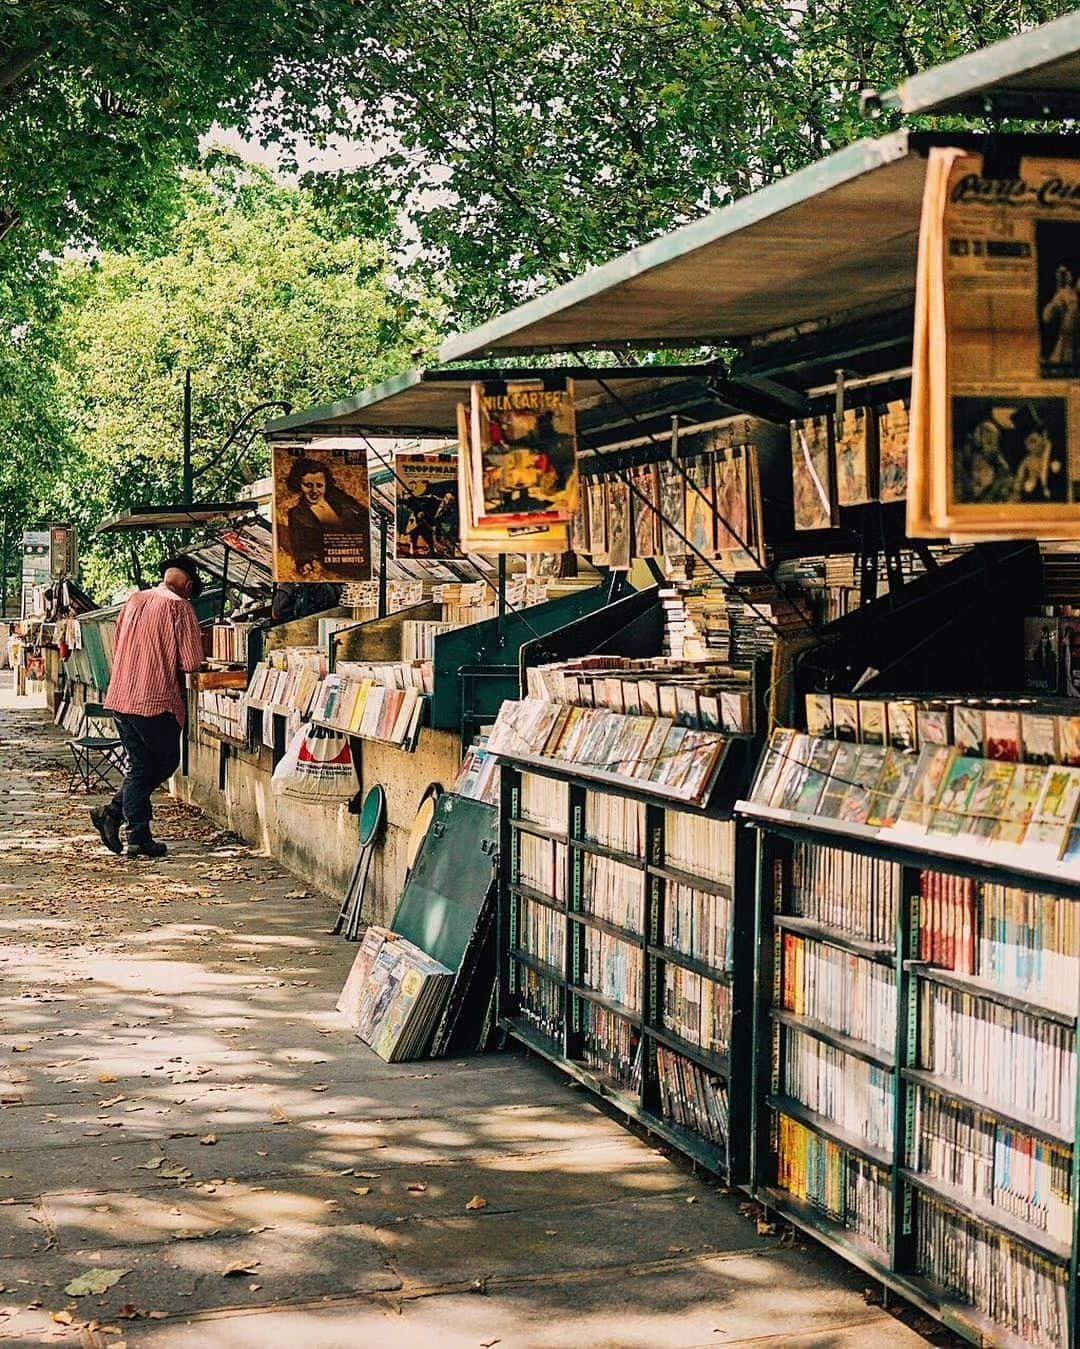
(704, 1075)
(911, 1195)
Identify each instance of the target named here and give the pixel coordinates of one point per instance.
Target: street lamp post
(190, 472)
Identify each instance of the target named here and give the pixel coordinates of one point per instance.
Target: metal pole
(189, 479)
(502, 597)
(384, 550)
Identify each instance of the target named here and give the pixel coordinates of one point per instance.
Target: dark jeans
(152, 745)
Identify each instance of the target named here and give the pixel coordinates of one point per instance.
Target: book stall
(789, 865)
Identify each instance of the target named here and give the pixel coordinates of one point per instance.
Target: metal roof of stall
(425, 402)
(1034, 74)
(844, 227)
(179, 517)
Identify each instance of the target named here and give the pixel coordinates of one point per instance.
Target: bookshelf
(915, 1071)
(625, 930)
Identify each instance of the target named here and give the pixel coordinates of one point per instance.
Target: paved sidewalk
(179, 1101)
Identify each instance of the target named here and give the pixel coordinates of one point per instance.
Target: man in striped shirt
(157, 642)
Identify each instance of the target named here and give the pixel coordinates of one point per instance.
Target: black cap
(187, 565)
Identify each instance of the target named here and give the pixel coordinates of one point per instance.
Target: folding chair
(98, 753)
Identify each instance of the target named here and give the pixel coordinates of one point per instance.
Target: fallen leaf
(240, 1267)
(363, 1175)
(107, 1077)
(477, 1201)
(208, 1140)
(765, 1229)
(322, 1086)
(254, 1287)
(174, 1171)
(6, 1175)
(486, 1344)
(151, 1165)
(361, 1189)
(94, 1281)
(63, 1318)
(691, 1198)
(21, 1049)
(278, 1116)
(113, 1100)
(297, 894)
(127, 1312)
(157, 1316)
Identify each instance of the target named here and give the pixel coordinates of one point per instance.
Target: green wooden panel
(447, 887)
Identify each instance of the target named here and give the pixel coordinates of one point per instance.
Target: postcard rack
(915, 1101)
(625, 963)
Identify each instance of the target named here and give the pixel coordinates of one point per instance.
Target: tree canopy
(255, 290)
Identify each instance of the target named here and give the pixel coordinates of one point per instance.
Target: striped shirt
(157, 641)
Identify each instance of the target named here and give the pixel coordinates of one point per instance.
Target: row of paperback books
(1010, 1283)
(542, 865)
(223, 711)
(1002, 1056)
(229, 643)
(614, 892)
(395, 995)
(692, 1097)
(651, 750)
(847, 992)
(853, 1094)
(853, 894)
(418, 638)
(611, 1045)
(699, 845)
(545, 802)
(540, 1002)
(541, 932)
(369, 709)
(697, 1010)
(1014, 940)
(848, 1189)
(289, 684)
(708, 618)
(1025, 1177)
(701, 695)
(1026, 812)
(615, 822)
(699, 924)
(613, 968)
(1020, 730)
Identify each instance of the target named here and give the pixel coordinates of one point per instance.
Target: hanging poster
(811, 474)
(428, 524)
(853, 443)
(524, 451)
(893, 432)
(995, 437)
(498, 536)
(322, 514)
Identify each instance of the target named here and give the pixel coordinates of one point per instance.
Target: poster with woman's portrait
(322, 514)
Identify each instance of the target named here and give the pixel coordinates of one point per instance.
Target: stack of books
(370, 710)
(648, 751)
(229, 643)
(395, 995)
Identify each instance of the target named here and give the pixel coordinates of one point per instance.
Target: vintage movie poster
(619, 540)
(811, 474)
(322, 514)
(598, 530)
(893, 431)
(428, 523)
(853, 457)
(672, 510)
(996, 380)
(524, 452)
(505, 537)
(645, 505)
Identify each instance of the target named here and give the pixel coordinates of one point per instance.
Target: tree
(527, 139)
(263, 297)
(100, 101)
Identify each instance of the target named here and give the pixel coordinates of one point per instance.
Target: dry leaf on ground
(477, 1201)
(94, 1281)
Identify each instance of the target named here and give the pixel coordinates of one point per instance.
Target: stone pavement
(180, 1104)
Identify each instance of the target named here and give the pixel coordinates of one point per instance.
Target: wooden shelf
(983, 1211)
(609, 1004)
(670, 956)
(956, 1091)
(861, 946)
(998, 863)
(537, 896)
(702, 883)
(624, 934)
(968, 983)
(859, 1049)
(538, 830)
(704, 1058)
(627, 859)
(795, 1110)
(540, 967)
